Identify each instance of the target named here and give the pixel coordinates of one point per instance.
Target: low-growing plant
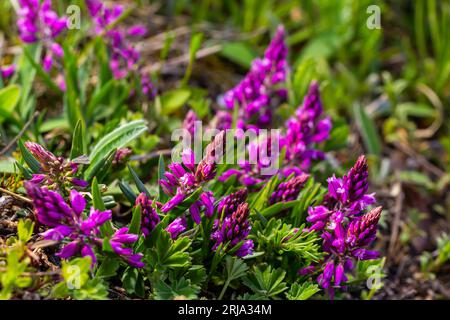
(196, 228)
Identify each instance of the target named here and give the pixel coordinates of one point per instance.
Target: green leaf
(9, 96)
(368, 130)
(108, 267)
(196, 42)
(139, 184)
(266, 281)
(278, 207)
(25, 230)
(302, 291)
(133, 282)
(118, 138)
(7, 165)
(161, 171)
(78, 145)
(29, 159)
(98, 96)
(128, 192)
(419, 110)
(416, 178)
(235, 268)
(181, 288)
(260, 199)
(239, 53)
(100, 168)
(97, 199)
(135, 224)
(173, 100)
(41, 72)
(27, 173)
(169, 253)
(186, 203)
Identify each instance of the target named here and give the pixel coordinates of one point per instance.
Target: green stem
(225, 286)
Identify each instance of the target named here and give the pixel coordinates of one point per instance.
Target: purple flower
(119, 242)
(229, 204)
(259, 167)
(37, 22)
(346, 231)
(121, 156)
(124, 55)
(346, 243)
(7, 71)
(232, 230)
(223, 120)
(185, 178)
(254, 94)
(289, 190)
(304, 130)
(189, 122)
(347, 196)
(176, 227)
(149, 216)
(148, 88)
(66, 221)
(56, 172)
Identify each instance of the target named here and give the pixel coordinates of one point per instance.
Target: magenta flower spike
(185, 178)
(346, 230)
(37, 22)
(149, 216)
(57, 173)
(304, 130)
(289, 190)
(254, 94)
(229, 204)
(232, 230)
(66, 221)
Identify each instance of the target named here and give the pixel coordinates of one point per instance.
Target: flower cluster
(56, 172)
(121, 156)
(185, 178)
(149, 216)
(346, 230)
(124, 54)
(232, 230)
(305, 129)
(303, 132)
(254, 94)
(38, 22)
(66, 221)
(256, 170)
(229, 203)
(289, 190)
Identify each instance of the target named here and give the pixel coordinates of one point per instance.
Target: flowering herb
(67, 222)
(232, 230)
(186, 177)
(254, 94)
(39, 23)
(55, 172)
(149, 216)
(304, 130)
(346, 230)
(125, 56)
